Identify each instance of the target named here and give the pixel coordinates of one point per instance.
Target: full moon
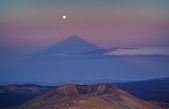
(64, 17)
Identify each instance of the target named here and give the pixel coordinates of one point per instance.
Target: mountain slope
(100, 96)
(154, 89)
(23, 93)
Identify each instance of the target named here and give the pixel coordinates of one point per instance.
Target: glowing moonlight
(64, 17)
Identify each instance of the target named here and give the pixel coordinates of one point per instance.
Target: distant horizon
(62, 82)
(36, 43)
(136, 63)
(34, 25)
(32, 49)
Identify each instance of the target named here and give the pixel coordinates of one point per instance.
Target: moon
(64, 17)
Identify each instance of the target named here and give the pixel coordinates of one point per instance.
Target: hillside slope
(100, 96)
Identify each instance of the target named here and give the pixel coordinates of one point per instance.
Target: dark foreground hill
(12, 95)
(149, 90)
(100, 96)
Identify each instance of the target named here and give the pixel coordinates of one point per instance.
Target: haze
(28, 26)
(107, 23)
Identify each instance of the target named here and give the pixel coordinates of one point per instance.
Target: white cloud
(140, 51)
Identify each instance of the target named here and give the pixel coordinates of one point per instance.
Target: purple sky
(27, 26)
(38, 24)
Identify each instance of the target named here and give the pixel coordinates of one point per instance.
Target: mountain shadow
(72, 45)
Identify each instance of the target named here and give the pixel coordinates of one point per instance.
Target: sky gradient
(29, 26)
(38, 23)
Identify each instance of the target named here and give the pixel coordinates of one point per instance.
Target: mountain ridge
(99, 96)
(149, 90)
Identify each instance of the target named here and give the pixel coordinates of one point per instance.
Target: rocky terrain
(99, 96)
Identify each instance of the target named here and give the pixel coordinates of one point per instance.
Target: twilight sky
(27, 26)
(107, 23)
